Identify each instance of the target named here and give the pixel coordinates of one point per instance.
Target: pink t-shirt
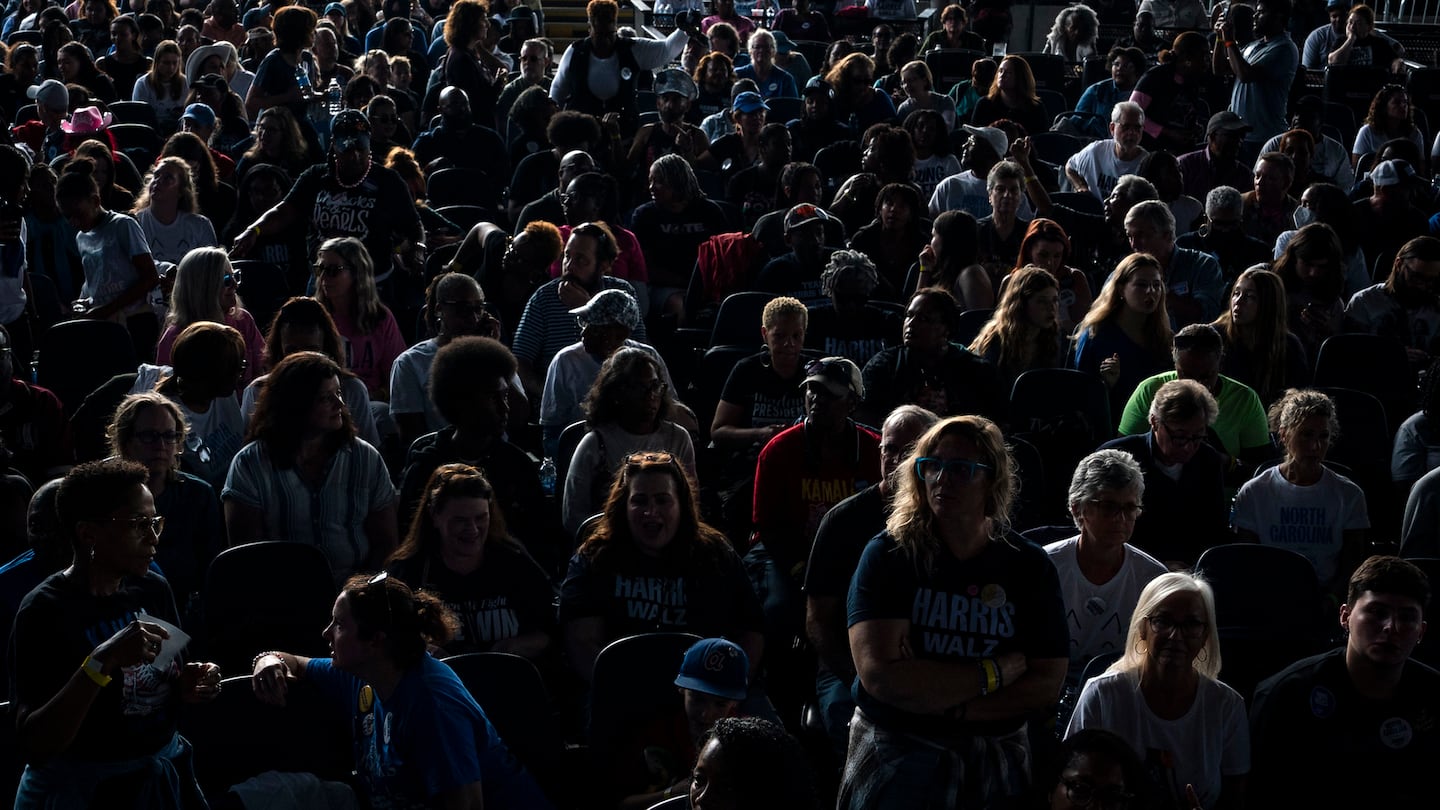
(369, 357)
(245, 325)
(629, 263)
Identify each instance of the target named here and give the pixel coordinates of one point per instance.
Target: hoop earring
(1203, 656)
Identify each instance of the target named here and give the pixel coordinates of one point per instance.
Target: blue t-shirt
(1005, 599)
(431, 737)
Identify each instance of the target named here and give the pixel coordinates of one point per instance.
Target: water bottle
(332, 96)
(547, 476)
(302, 76)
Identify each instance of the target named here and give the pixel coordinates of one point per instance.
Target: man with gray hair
(1101, 574)
(1184, 477)
(1223, 236)
(839, 541)
(1195, 289)
(1098, 167)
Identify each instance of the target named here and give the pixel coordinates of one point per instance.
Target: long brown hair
(1111, 302)
(1266, 338)
(447, 482)
(288, 395)
(1007, 328)
(696, 544)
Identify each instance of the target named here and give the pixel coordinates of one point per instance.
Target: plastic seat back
(271, 595)
(76, 357)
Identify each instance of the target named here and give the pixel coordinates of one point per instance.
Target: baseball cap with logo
(839, 375)
(716, 667)
(992, 137)
(675, 80)
(351, 130)
(819, 85)
(610, 308)
(804, 214)
(1389, 173)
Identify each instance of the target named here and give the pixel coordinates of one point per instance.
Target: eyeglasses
(962, 470)
(140, 522)
(156, 437)
(327, 270)
(231, 279)
(1164, 626)
(1182, 439)
(649, 389)
(1114, 509)
(1084, 794)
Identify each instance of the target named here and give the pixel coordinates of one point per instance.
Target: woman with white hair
(773, 80)
(1162, 697)
(1101, 574)
(1074, 33)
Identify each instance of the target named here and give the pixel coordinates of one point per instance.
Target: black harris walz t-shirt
(1006, 599)
(378, 212)
(58, 625)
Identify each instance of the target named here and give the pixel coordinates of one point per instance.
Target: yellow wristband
(91, 668)
(1030, 179)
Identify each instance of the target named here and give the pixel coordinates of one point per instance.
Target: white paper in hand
(170, 647)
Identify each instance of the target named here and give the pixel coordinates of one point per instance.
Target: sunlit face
(532, 62)
(463, 524)
(580, 261)
(1042, 309)
(762, 53)
(1244, 303)
(1128, 130)
(1384, 628)
(660, 191)
(1144, 290)
(1272, 180)
(653, 510)
(915, 84)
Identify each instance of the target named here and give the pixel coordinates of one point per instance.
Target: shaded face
(264, 192)
(1176, 630)
(702, 710)
(1307, 442)
(325, 48)
(379, 71)
(1225, 144)
(1398, 107)
(817, 106)
(383, 118)
(1042, 310)
(188, 38)
(642, 394)
(749, 123)
(463, 524)
(914, 83)
(165, 183)
(882, 39)
(1008, 76)
(1144, 290)
(1091, 782)
(123, 544)
(602, 34)
(1146, 238)
(776, 150)
(712, 785)
(168, 66)
(672, 107)
(327, 412)
(581, 204)
(1005, 197)
(270, 133)
(1362, 26)
(462, 312)
(195, 128)
(897, 439)
(81, 214)
(1123, 72)
(296, 338)
(807, 239)
(784, 338)
(1384, 628)
(824, 407)
(1047, 253)
(895, 213)
(580, 262)
(573, 167)
(954, 494)
(653, 510)
(1200, 366)
(1337, 19)
(154, 440)
(807, 189)
(1420, 275)
(95, 13)
(347, 649)
(1108, 517)
(1267, 22)
(1244, 303)
(490, 405)
(925, 327)
(68, 65)
(532, 62)
(122, 36)
(725, 8)
(762, 53)
(334, 277)
(1177, 440)
(602, 340)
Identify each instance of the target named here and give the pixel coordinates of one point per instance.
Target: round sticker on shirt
(1322, 702)
(626, 74)
(367, 726)
(1095, 606)
(773, 87)
(1396, 733)
(532, 147)
(367, 698)
(993, 596)
(805, 26)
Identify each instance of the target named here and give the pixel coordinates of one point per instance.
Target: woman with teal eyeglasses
(958, 631)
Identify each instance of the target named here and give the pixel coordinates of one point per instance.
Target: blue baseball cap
(716, 667)
(200, 114)
(748, 102)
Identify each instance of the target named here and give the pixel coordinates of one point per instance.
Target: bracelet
(989, 676)
(1229, 43)
(93, 672)
(257, 658)
(1030, 179)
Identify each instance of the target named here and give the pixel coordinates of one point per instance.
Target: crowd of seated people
(761, 322)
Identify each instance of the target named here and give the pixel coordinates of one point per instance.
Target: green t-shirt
(1241, 423)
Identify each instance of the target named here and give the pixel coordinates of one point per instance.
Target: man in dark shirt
(462, 142)
(1356, 726)
(1217, 163)
(797, 273)
(839, 540)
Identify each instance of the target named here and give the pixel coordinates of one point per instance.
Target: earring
(1203, 656)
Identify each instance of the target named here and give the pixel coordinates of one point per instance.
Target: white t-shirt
(930, 171)
(966, 192)
(1309, 520)
(410, 382)
(213, 437)
(1099, 615)
(606, 447)
(1210, 741)
(1100, 168)
(170, 243)
(572, 371)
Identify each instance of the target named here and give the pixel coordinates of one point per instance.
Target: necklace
(356, 184)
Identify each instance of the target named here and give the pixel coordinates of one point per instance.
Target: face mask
(1303, 216)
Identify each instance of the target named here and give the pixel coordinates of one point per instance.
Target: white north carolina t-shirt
(1309, 520)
